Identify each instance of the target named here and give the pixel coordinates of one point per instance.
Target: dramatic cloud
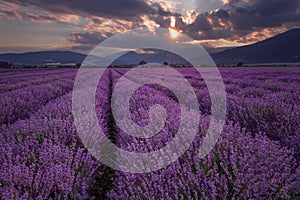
(41, 18)
(119, 9)
(88, 38)
(215, 22)
(50, 18)
(263, 14)
(9, 10)
(213, 25)
(245, 21)
(10, 14)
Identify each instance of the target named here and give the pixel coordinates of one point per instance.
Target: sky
(76, 25)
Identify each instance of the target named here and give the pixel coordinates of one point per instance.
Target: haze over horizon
(75, 26)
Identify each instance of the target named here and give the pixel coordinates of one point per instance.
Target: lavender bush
(257, 156)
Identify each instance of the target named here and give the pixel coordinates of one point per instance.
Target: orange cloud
(259, 35)
(10, 15)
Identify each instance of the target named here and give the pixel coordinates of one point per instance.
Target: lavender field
(256, 157)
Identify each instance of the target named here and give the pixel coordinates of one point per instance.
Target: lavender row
(21, 103)
(241, 166)
(253, 106)
(43, 157)
(263, 100)
(34, 82)
(17, 75)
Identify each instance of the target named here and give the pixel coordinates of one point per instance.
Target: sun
(174, 34)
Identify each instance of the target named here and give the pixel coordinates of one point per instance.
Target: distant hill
(43, 58)
(283, 48)
(150, 56)
(67, 57)
(214, 50)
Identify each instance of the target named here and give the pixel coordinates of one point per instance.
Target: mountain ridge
(282, 48)
(43, 57)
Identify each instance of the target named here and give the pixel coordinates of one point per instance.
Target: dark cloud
(10, 14)
(220, 13)
(119, 9)
(239, 18)
(262, 14)
(273, 7)
(236, 19)
(42, 18)
(213, 25)
(165, 20)
(88, 38)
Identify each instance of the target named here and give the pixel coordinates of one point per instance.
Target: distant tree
(4, 65)
(240, 64)
(78, 65)
(142, 62)
(165, 63)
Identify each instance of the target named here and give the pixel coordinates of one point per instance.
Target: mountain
(43, 58)
(283, 48)
(214, 50)
(67, 57)
(150, 56)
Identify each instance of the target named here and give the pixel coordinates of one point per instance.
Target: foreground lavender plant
(243, 165)
(257, 156)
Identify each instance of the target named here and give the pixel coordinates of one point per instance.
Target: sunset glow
(40, 25)
(174, 34)
(149, 99)
(173, 22)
